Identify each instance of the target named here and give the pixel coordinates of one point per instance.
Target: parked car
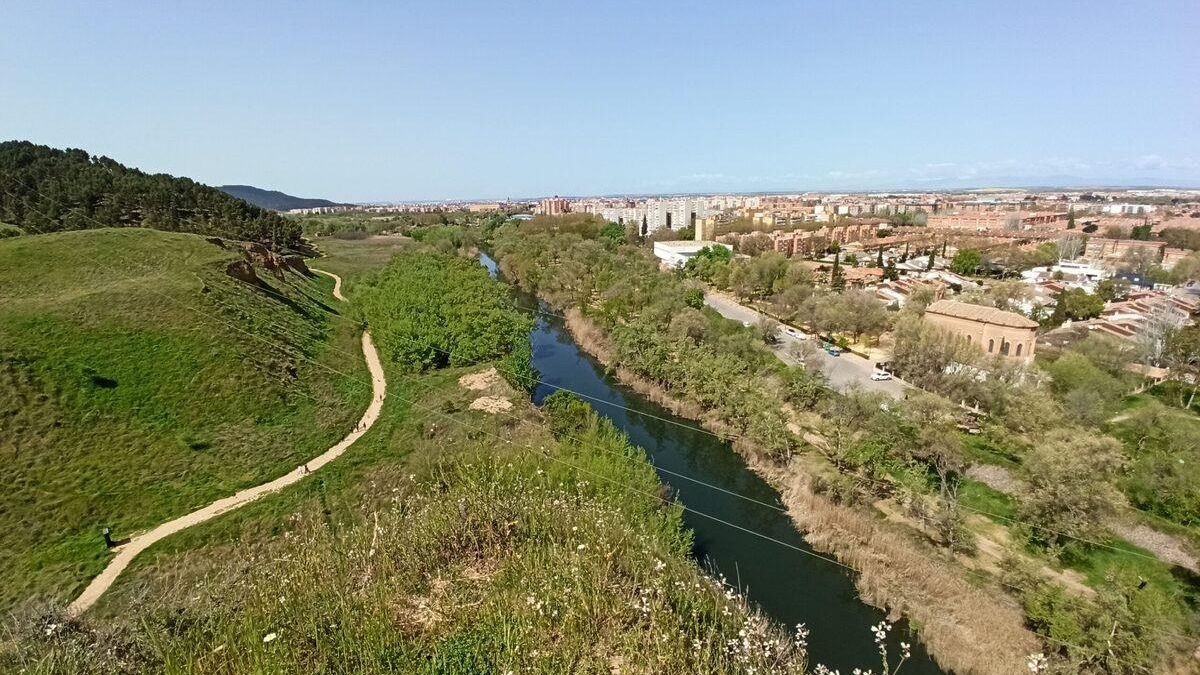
(833, 351)
(794, 333)
(880, 375)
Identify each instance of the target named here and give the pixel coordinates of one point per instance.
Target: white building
(675, 254)
(1128, 209)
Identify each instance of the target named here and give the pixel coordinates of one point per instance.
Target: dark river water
(789, 586)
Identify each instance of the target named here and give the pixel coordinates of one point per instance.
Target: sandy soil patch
(491, 404)
(996, 477)
(480, 381)
(1161, 544)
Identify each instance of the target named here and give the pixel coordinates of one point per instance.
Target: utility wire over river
(751, 545)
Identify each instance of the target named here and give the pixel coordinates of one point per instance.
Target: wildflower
(269, 637)
(1038, 663)
(580, 547)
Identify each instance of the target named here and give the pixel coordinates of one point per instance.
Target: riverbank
(967, 628)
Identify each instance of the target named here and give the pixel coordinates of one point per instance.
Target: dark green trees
(47, 190)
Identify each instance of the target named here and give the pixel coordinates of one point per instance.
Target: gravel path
(127, 552)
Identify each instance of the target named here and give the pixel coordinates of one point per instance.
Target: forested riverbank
(966, 628)
(866, 458)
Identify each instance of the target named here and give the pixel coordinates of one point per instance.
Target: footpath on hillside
(140, 542)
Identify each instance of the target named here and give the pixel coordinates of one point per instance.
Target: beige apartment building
(996, 331)
(995, 220)
(553, 206)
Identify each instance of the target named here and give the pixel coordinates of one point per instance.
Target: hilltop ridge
(272, 199)
(43, 189)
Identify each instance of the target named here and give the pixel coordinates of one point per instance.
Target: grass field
(351, 258)
(980, 498)
(138, 381)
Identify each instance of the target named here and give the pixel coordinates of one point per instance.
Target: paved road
(844, 372)
(128, 551)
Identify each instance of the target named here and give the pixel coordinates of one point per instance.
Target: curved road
(127, 552)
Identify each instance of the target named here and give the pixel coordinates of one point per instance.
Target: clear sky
(460, 99)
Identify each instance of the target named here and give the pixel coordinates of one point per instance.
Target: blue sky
(460, 99)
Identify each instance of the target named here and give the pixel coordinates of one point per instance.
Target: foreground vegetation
(47, 190)
(138, 381)
(452, 541)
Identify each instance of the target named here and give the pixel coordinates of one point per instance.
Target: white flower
(580, 547)
(269, 637)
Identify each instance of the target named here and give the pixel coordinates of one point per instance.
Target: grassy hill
(272, 199)
(47, 190)
(448, 540)
(139, 381)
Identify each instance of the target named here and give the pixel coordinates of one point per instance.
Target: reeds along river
(788, 585)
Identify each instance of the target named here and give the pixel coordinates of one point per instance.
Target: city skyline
(424, 102)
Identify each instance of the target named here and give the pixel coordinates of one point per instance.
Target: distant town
(896, 243)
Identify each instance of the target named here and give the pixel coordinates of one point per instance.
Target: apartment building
(553, 206)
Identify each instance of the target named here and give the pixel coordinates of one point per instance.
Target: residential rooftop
(963, 310)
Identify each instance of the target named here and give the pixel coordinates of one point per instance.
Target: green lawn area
(984, 450)
(993, 504)
(350, 258)
(138, 382)
(1098, 563)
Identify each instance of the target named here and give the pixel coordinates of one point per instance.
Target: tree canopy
(46, 190)
(430, 310)
(966, 261)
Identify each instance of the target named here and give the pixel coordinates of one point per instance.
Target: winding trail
(140, 542)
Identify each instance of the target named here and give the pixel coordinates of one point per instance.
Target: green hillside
(448, 540)
(43, 190)
(139, 381)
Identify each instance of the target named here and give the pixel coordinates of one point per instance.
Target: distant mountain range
(272, 199)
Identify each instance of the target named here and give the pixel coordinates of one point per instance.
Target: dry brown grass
(967, 627)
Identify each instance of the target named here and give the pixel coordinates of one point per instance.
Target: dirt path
(127, 552)
(337, 283)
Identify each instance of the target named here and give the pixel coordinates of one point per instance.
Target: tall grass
(488, 562)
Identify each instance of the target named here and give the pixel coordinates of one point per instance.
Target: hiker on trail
(107, 533)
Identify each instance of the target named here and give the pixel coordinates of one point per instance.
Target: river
(790, 586)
